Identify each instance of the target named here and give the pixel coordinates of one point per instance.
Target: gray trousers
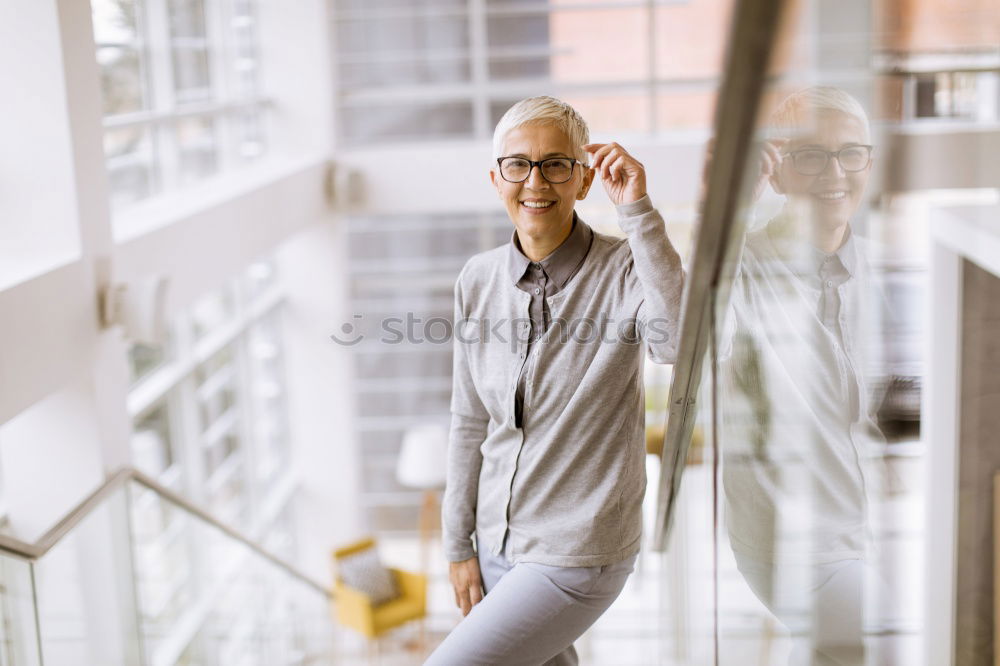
(531, 613)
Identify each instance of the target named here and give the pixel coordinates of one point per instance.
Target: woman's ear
(495, 180)
(588, 180)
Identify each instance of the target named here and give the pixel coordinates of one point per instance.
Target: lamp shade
(423, 456)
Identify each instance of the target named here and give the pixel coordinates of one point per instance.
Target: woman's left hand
(623, 176)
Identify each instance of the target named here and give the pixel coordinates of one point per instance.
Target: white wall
(64, 379)
(321, 397)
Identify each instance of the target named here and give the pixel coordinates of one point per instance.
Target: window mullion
(245, 411)
(218, 30)
(478, 49)
(163, 96)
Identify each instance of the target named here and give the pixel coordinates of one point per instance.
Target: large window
(446, 69)
(209, 408)
(403, 267)
(210, 422)
(181, 91)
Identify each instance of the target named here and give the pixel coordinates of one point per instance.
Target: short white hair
(791, 112)
(543, 110)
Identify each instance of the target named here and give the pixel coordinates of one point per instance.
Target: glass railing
(139, 576)
(19, 637)
(801, 359)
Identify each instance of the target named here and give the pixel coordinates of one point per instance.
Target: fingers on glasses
(609, 160)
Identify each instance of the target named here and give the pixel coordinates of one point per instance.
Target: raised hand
(768, 162)
(623, 176)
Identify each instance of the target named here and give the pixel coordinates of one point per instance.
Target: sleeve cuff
(459, 552)
(637, 207)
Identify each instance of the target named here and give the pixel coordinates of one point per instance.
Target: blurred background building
(197, 196)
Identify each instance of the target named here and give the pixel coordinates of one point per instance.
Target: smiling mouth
(537, 204)
(831, 196)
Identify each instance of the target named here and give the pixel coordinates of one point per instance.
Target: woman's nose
(833, 168)
(535, 179)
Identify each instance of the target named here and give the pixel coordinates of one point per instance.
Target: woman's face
(832, 197)
(539, 209)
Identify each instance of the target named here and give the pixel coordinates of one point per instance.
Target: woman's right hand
(768, 163)
(466, 580)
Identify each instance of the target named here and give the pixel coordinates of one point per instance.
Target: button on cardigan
(566, 488)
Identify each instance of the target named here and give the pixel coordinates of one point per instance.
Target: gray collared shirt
(829, 271)
(799, 357)
(541, 279)
(566, 488)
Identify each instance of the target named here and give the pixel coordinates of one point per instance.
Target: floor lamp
(421, 465)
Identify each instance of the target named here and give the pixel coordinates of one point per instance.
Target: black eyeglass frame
(829, 154)
(532, 164)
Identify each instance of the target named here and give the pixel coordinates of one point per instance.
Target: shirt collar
(561, 263)
(803, 256)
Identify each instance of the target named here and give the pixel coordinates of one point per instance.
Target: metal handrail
(118, 480)
(752, 35)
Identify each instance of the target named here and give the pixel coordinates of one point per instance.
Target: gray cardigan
(565, 489)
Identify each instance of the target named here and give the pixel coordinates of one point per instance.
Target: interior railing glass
(137, 575)
(801, 358)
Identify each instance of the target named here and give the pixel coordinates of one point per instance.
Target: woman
(546, 470)
(798, 426)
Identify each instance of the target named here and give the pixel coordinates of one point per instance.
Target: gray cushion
(365, 572)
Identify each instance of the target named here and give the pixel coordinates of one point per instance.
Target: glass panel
(145, 359)
(623, 53)
(223, 455)
(244, 57)
(115, 21)
(190, 51)
(187, 18)
(685, 109)
(405, 34)
(269, 407)
(513, 31)
(401, 365)
(208, 599)
(627, 112)
(407, 121)
(166, 564)
(519, 66)
(212, 311)
(415, 243)
(406, 70)
(192, 74)
(120, 55)
(249, 132)
(686, 567)
(130, 156)
(215, 381)
(691, 39)
(414, 6)
(196, 142)
(821, 525)
(86, 595)
(141, 581)
(121, 79)
(18, 631)
(261, 276)
(153, 445)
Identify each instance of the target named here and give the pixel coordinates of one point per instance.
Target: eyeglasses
(556, 170)
(813, 161)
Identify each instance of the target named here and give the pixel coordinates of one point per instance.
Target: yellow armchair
(355, 610)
